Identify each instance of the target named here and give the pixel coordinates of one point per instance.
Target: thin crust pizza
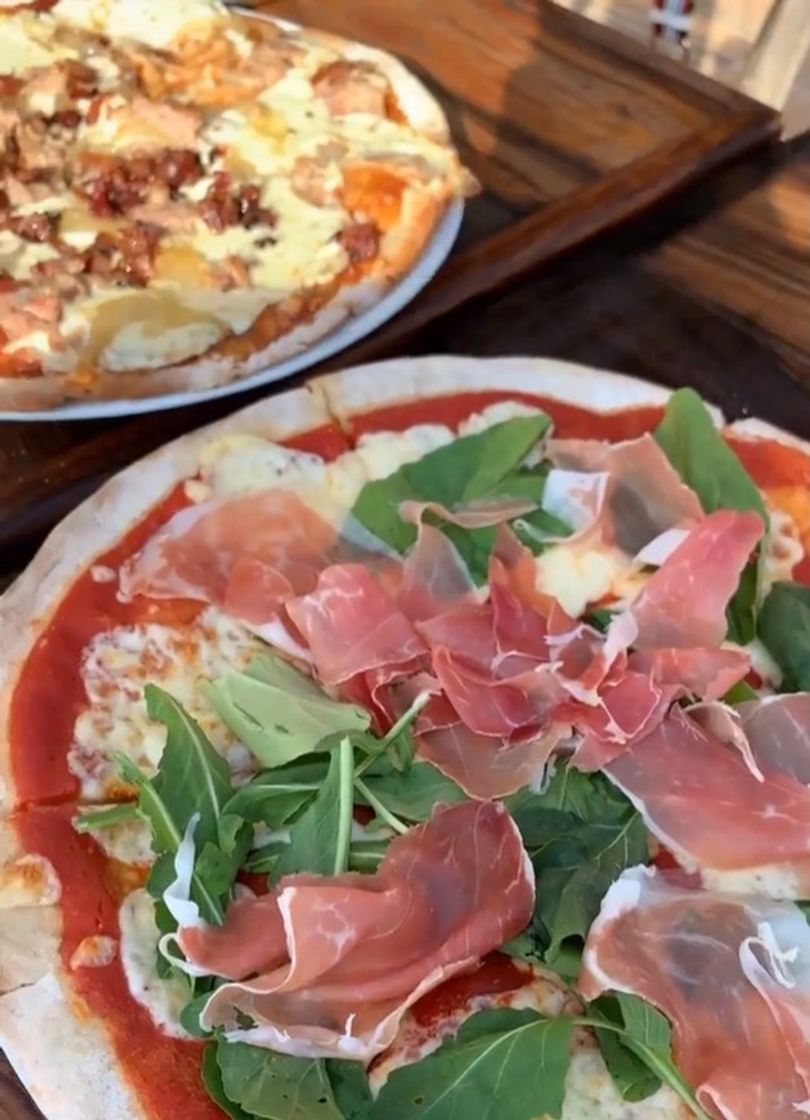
(189, 194)
(430, 741)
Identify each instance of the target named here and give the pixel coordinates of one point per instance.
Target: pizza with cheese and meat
(189, 194)
(429, 742)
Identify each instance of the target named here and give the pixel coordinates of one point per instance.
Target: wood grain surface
(572, 129)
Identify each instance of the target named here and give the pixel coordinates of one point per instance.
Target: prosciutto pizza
(189, 194)
(431, 741)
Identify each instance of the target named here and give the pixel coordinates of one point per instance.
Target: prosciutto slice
(247, 554)
(485, 767)
(643, 495)
(683, 604)
(351, 626)
(705, 673)
(778, 733)
(361, 949)
(699, 797)
(733, 975)
(434, 577)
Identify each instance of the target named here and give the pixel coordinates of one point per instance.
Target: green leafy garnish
(273, 1086)
(486, 465)
(581, 833)
(320, 837)
(643, 1031)
(502, 1065)
(706, 463)
(784, 629)
(414, 794)
(703, 459)
(192, 781)
(91, 819)
(279, 713)
(212, 1080)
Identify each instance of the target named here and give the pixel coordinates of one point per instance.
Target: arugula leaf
(412, 794)
(703, 459)
(472, 467)
(350, 1088)
(581, 833)
(190, 1019)
(647, 1034)
(367, 855)
(502, 1065)
(278, 712)
(630, 1075)
(192, 780)
(91, 819)
(784, 628)
(273, 1086)
(219, 863)
(321, 836)
(275, 797)
(706, 463)
(212, 1080)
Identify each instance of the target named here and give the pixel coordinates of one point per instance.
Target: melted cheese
(29, 880)
(138, 346)
(577, 575)
(96, 951)
(772, 882)
(164, 999)
(18, 257)
(119, 663)
(27, 42)
(495, 413)
(782, 552)
(382, 453)
(155, 23)
(129, 842)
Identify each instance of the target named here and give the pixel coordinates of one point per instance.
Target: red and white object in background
(672, 22)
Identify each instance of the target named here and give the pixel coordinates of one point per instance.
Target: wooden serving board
(571, 128)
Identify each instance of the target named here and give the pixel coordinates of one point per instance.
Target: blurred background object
(759, 46)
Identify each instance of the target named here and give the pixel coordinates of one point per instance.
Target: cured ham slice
(361, 949)
(683, 604)
(733, 975)
(699, 797)
(778, 733)
(479, 514)
(485, 767)
(705, 673)
(352, 626)
(643, 496)
(248, 554)
(628, 708)
(434, 577)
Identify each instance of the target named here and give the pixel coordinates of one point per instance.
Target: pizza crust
(63, 1058)
(286, 329)
(30, 922)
